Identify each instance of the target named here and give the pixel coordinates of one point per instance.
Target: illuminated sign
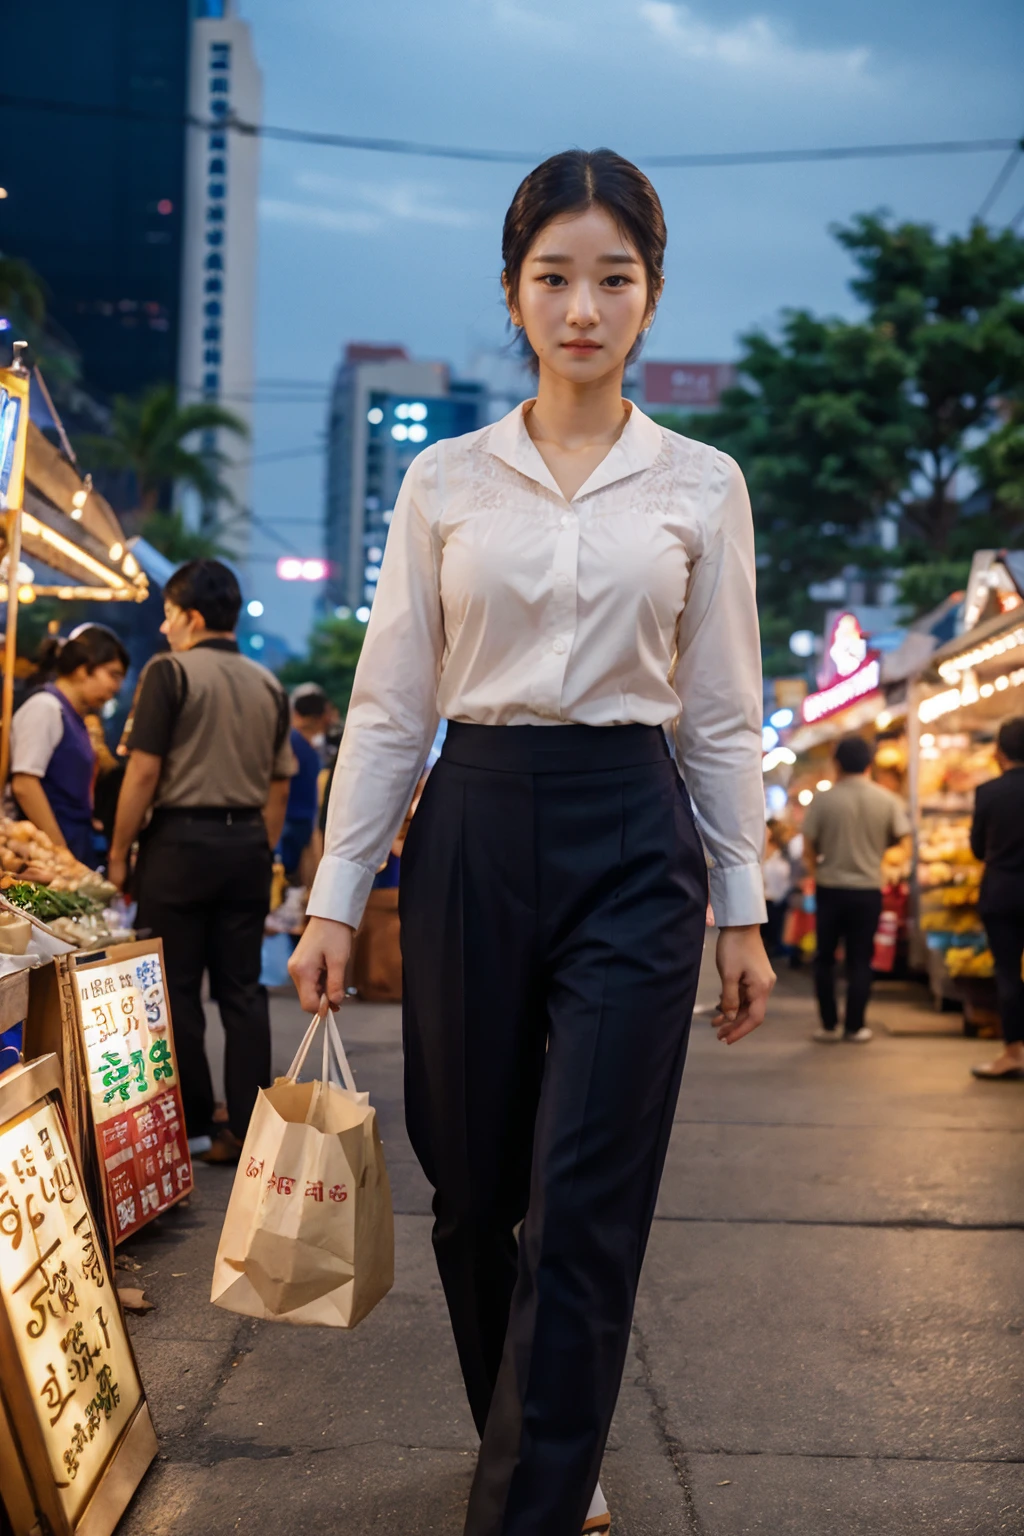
(13, 436)
(846, 691)
(72, 1398)
(847, 645)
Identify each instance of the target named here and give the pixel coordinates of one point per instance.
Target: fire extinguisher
(884, 956)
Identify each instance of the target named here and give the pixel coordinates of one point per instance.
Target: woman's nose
(582, 306)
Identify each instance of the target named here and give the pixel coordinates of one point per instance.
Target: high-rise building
(218, 311)
(95, 187)
(385, 409)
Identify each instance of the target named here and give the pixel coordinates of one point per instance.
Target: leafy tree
(21, 290)
(999, 464)
(334, 648)
(954, 308)
(149, 437)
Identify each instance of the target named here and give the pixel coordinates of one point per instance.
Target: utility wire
(1005, 172)
(501, 156)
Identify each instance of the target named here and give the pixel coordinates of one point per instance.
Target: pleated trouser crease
(552, 898)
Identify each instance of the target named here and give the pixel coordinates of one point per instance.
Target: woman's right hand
(318, 964)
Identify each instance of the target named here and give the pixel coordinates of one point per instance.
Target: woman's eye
(616, 280)
(553, 279)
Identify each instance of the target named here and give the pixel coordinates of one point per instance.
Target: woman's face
(96, 688)
(582, 298)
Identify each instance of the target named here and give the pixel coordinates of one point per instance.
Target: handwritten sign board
(71, 1402)
(113, 1003)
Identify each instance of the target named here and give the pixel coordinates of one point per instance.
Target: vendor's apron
(68, 781)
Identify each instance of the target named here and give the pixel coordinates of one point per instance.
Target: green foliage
(924, 585)
(838, 423)
(169, 533)
(334, 648)
(148, 436)
(22, 294)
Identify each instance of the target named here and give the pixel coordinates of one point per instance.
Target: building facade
(95, 187)
(218, 309)
(385, 409)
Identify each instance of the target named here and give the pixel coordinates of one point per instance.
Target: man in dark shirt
(210, 754)
(997, 836)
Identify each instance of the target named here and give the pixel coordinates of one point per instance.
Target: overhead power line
(503, 156)
(1005, 172)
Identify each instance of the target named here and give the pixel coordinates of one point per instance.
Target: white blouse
(501, 603)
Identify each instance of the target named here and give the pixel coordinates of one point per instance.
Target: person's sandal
(597, 1525)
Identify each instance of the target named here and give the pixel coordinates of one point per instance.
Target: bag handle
(332, 1039)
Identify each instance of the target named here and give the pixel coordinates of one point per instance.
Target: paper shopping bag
(309, 1232)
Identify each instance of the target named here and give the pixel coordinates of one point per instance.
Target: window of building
(212, 355)
(215, 215)
(218, 141)
(211, 382)
(212, 308)
(213, 285)
(217, 167)
(214, 262)
(211, 333)
(216, 190)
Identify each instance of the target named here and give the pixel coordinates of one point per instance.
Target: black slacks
(552, 900)
(852, 916)
(204, 889)
(1005, 931)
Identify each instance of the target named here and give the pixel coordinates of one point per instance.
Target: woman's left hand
(747, 982)
(117, 871)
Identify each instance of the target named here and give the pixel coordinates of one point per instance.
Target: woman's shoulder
(39, 705)
(702, 470)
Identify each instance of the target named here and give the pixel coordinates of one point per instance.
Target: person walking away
(310, 711)
(53, 758)
(778, 881)
(209, 753)
(997, 837)
(561, 586)
(846, 832)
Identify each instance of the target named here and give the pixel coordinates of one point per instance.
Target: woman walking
(564, 587)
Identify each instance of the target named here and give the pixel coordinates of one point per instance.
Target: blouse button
(558, 647)
(567, 519)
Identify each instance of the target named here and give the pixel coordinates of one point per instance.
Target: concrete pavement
(828, 1338)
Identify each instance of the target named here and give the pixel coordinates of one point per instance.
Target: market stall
(971, 685)
(58, 538)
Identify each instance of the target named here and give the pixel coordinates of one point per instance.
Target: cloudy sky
(377, 247)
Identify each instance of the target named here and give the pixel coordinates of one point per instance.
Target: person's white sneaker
(290, 916)
(826, 1036)
(861, 1037)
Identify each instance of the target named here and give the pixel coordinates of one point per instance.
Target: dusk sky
(378, 247)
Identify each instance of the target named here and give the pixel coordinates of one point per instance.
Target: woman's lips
(582, 346)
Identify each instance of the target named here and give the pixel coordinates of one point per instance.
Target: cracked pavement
(828, 1337)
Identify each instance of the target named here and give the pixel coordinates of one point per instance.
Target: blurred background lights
(375, 416)
(823, 785)
(402, 412)
(417, 411)
(399, 432)
(781, 718)
(165, 206)
(254, 609)
(801, 642)
(362, 614)
(805, 796)
(417, 434)
(256, 641)
(769, 738)
(292, 568)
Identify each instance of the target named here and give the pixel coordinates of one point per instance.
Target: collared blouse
(502, 603)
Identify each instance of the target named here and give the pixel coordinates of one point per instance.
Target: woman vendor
(53, 760)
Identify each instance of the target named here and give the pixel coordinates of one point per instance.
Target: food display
(52, 886)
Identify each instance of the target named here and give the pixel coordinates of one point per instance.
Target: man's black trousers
(853, 917)
(204, 888)
(552, 895)
(1005, 932)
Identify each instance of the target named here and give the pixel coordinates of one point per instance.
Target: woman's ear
(513, 312)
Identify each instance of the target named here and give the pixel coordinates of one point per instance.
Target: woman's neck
(573, 416)
(72, 695)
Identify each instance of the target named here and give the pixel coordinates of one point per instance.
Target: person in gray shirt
(846, 832)
(211, 761)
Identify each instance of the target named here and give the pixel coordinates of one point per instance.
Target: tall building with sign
(683, 386)
(95, 176)
(218, 310)
(385, 408)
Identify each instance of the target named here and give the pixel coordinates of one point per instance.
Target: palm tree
(148, 437)
(21, 290)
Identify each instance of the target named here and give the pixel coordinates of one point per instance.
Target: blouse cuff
(340, 891)
(737, 895)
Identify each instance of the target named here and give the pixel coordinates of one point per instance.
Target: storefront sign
(106, 1016)
(133, 1085)
(842, 693)
(70, 1397)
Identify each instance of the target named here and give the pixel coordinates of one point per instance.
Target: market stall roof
(71, 528)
